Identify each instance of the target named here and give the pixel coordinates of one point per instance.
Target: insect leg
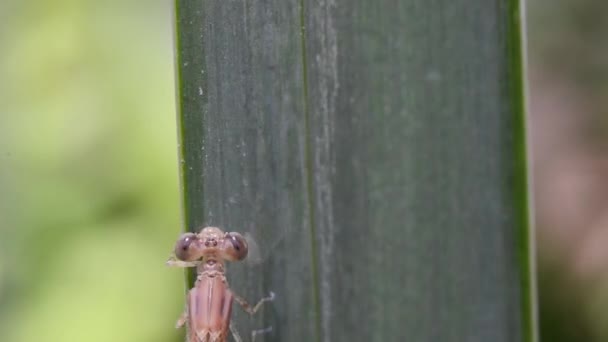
(260, 332)
(235, 333)
(247, 308)
(172, 262)
(183, 318)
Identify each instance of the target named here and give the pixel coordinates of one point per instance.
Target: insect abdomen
(210, 307)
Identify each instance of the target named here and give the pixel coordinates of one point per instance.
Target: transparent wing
(262, 243)
(254, 256)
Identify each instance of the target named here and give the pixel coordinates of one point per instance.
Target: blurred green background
(89, 208)
(88, 169)
(568, 50)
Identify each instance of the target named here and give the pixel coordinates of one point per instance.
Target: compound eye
(184, 248)
(236, 246)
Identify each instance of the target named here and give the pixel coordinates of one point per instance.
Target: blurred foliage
(567, 39)
(88, 174)
(562, 316)
(568, 54)
(569, 36)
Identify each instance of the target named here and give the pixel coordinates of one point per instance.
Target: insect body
(209, 303)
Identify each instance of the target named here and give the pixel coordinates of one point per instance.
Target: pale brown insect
(209, 302)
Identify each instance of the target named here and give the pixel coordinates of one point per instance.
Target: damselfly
(209, 302)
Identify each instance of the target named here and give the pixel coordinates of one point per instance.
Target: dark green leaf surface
(382, 144)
